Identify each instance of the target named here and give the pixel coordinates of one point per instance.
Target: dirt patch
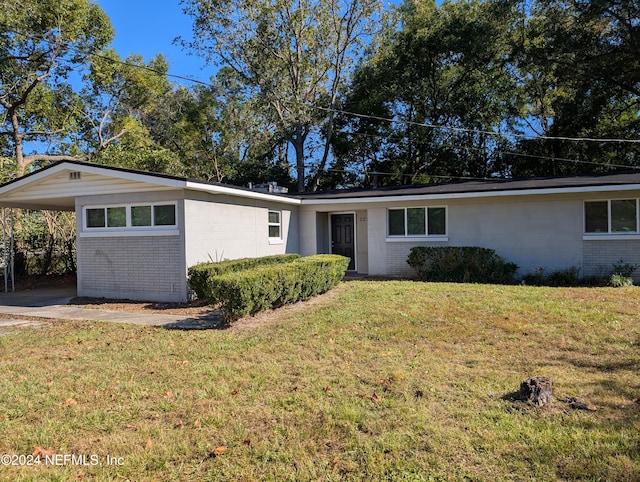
(194, 308)
(273, 316)
(199, 309)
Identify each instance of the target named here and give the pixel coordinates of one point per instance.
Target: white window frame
(609, 234)
(413, 237)
(274, 239)
(128, 229)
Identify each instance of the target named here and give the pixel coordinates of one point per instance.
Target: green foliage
(445, 67)
(624, 269)
(247, 292)
(564, 277)
(461, 265)
(618, 281)
(621, 274)
(62, 88)
(200, 274)
(293, 58)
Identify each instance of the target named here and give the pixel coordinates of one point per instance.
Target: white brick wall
(599, 256)
(397, 254)
(135, 267)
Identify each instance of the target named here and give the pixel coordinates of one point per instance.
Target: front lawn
(372, 381)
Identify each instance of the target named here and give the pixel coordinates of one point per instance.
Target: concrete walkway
(53, 303)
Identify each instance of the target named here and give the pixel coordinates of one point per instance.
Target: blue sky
(148, 27)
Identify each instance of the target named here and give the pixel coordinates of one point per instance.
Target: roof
(56, 187)
(621, 180)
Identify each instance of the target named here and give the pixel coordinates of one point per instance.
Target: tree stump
(537, 390)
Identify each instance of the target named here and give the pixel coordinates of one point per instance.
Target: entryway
(343, 237)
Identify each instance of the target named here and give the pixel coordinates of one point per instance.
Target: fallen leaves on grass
(70, 402)
(220, 450)
(42, 453)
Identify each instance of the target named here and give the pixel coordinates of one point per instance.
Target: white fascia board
(472, 195)
(129, 176)
(230, 191)
(98, 170)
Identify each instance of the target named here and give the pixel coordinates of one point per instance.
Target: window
(112, 217)
(274, 225)
(164, 215)
(417, 222)
(131, 216)
(116, 217)
(96, 218)
(140, 215)
(615, 216)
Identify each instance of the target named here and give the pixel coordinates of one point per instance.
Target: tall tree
(293, 56)
(578, 67)
(47, 49)
(443, 80)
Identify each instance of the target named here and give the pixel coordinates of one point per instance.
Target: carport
(103, 267)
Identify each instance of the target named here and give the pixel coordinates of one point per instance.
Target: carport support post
(4, 249)
(11, 254)
(7, 252)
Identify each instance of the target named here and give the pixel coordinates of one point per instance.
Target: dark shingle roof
(486, 186)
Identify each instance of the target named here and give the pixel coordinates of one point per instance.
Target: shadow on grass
(212, 320)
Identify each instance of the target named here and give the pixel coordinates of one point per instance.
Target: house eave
(232, 191)
(469, 195)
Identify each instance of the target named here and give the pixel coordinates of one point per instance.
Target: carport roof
(56, 187)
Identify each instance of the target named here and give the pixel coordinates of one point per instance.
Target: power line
(390, 120)
(475, 131)
(498, 151)
(367, 116)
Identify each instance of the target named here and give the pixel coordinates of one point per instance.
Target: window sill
(275, 241)
(609, 236)
(128, 232)
(410, 239)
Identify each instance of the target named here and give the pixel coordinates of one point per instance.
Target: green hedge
(247, 292)
(461, 264)
(200, 274)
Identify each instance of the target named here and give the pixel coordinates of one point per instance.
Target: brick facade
(397, 254)
(599, 256)
(133, 267)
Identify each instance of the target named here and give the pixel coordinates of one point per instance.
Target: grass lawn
(372, 381)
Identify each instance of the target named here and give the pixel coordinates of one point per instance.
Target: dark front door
(342, 239)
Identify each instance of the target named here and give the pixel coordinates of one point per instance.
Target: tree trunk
(538, 390)
(48, 256)
(298, 140)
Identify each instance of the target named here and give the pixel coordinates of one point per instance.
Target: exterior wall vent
(74, 175)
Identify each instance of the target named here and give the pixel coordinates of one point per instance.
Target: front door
(342, 237)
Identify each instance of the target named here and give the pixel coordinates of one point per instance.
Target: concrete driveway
(52, 303)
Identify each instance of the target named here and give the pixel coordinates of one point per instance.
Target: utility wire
(475, 131)
(389, 120)
(362, 116)
(498, 151)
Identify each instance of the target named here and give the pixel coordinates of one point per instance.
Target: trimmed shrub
(461, 265)
(200, 274)
(247, 292)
